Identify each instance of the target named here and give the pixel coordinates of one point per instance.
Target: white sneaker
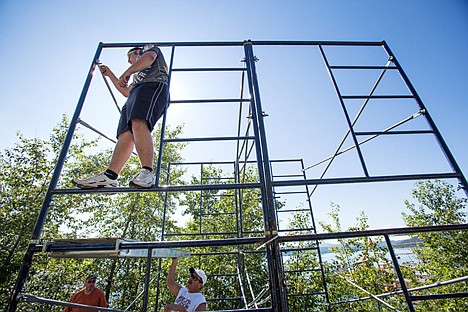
(99, 180)
(144, 178)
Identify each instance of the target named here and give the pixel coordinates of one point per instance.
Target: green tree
(302, 269)
(25, 175)
(26, 171)
(443, 255)
(360, 261)
(24, 167)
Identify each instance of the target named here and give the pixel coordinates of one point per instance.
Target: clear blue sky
(47, 48)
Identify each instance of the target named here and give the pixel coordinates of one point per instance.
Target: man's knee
(126, 135)
(139, 125)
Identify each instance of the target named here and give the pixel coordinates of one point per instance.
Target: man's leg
(122, 151)
(143, 142)
(144, 146)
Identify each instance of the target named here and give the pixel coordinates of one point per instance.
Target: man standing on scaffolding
(189, 298)
(146, 103)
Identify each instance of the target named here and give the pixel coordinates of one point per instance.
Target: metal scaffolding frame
(268, 184)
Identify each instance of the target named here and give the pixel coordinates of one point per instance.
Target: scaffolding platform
(116, 253)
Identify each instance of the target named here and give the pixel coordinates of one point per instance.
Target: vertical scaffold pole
(163, 125)
(149, 260)
(38, 227)
(277, 286)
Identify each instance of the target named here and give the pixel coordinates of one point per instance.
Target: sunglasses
(195, 278)
(92, 282)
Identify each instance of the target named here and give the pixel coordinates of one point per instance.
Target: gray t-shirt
(157, 72)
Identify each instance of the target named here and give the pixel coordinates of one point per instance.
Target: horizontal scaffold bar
(207, 139)
(394, 132)
(241, 43)
(32, 298)
(377, 232)
(439, 296)
(363, 67)
(50, 247)
(377, 97)
(214, 187)
(208, 101)
(208, 69)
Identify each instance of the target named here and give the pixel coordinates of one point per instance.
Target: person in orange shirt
(90, 295)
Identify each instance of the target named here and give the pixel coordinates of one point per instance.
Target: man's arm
(105, 71)
(201, 307)
(143, 62)
(174, 307)
(170, 280)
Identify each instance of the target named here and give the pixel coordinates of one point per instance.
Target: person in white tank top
(189, 298)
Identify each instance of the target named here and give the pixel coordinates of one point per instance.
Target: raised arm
(170, 280)
(106, 71)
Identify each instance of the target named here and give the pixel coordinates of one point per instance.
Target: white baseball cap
(199, 273)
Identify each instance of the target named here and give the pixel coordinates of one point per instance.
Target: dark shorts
(146, 101)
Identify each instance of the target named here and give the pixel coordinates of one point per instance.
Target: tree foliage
(25, 175)
(443, 255)
(24, 178)
(361, 261)
(301, 263)
(237, 274)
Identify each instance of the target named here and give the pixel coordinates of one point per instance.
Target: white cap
(199, 273)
